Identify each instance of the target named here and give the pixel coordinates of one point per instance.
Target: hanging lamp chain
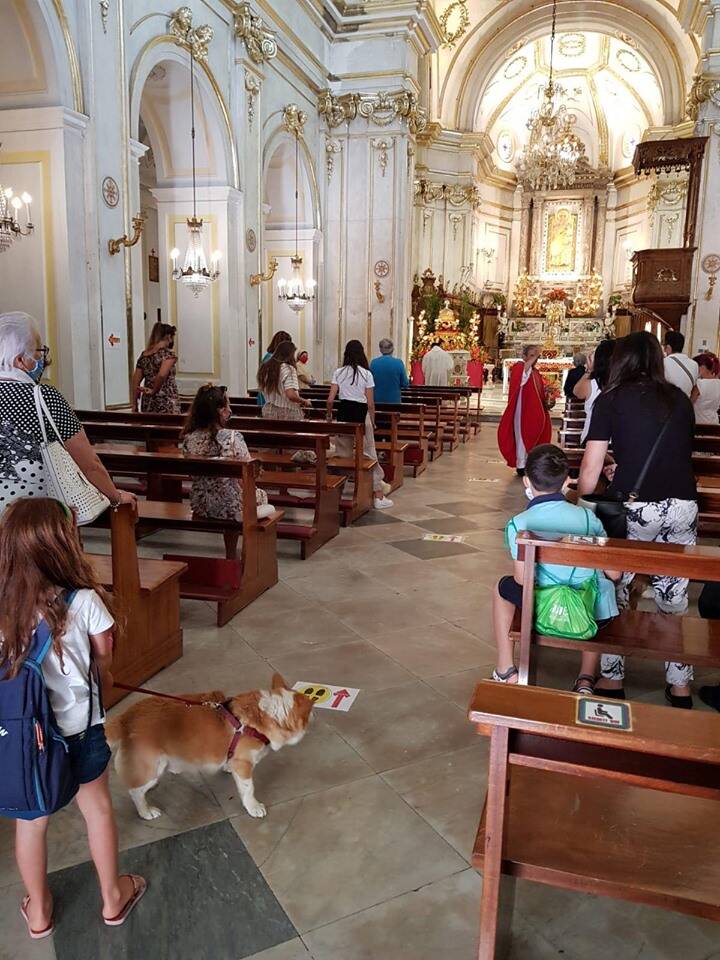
(552, 44)
(297, 148)
(192, 126)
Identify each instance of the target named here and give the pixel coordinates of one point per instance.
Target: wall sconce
(115, 246)
(257, 278)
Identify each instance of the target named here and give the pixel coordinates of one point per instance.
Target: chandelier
(295, 292)
(551, 156)
(10, 206)
(195, 273)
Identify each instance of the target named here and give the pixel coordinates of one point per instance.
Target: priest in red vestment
(526, 421)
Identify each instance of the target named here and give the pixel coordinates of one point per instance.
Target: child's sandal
(584, 685)
(505, 677)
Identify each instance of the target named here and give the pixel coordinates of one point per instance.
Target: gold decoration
(705, 86)
(257, 278)
(572, 44)
(332, 149)
(252, 88)
(380, 296)
(456, 194)
(381, 109)
(195, 39)
(456, 11)
(260, 42)
(115, 246)
(294, 119)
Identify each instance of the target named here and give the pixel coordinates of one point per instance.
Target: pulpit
(662, 280)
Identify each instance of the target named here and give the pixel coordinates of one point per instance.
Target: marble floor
(364, 854)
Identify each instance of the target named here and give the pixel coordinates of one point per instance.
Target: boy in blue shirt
(545, 481)
(389, 374)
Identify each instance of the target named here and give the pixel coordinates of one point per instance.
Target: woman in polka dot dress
(22, 361)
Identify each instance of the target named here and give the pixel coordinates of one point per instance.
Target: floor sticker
(483, 480)
(328, 697)
(443, 538)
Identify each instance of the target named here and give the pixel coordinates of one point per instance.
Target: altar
(552, 369)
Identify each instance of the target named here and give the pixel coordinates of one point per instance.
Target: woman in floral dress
(205, 435)
(154, 385)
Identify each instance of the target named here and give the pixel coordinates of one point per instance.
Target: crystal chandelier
(195, 273)
(295, 292)
(551, 156)
(10, 206)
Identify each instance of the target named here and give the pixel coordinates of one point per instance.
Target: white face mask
(529, 493)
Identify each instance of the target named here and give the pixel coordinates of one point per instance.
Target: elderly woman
(22, 361)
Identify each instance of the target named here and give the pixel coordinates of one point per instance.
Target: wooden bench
(650, 636)
(232, 583)
(321, 490)
(469, 412)
(626, 814)
(147, 597)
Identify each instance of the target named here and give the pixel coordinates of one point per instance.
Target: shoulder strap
(42, 411)
(634, 493)
(683, 368)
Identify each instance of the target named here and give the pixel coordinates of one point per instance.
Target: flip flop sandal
(139, 889)
(584, 685)
(505, 677)
(35, 934)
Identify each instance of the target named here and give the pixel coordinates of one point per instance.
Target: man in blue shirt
(389, 374)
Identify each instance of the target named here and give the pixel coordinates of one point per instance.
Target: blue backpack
(37, 778)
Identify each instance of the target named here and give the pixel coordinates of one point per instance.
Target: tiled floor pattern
(372, 817)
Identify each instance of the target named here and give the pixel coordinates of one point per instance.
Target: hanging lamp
(295, 292)
(195, 273)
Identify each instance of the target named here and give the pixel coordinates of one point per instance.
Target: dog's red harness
(240, 729)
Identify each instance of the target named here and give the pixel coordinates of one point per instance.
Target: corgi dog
(220, 733)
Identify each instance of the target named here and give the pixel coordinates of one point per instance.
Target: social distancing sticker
(328, 697)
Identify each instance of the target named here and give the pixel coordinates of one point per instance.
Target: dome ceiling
(608, 84)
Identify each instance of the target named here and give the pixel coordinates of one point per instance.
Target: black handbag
(612, 511)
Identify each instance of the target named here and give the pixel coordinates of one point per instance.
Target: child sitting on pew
(205, 435)
(545, 480)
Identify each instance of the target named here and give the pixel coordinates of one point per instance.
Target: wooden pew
(650, 636)
(465, 395)
(231, 583)
(594, 809)
(147, 597)
(322, 491)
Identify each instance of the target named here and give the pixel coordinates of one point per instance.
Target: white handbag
(64, 480)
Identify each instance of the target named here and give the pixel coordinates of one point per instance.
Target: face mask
(37, 370)
(529, 493)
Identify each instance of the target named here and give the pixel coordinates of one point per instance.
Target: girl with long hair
(635, 406)
(589, 387)
(280, 337)
(44, 573)
(354, 385)
(278, 381)
(154, 387)
(706, 392)
(205, 434)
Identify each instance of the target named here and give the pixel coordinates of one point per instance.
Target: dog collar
(240, 730)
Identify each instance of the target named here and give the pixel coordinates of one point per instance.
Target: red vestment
(535, 423)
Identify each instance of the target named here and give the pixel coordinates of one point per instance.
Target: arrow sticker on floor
(443, 538)
(328, 697)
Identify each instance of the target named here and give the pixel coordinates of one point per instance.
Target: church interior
(478, 175)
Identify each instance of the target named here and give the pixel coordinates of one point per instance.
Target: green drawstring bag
(563, 610)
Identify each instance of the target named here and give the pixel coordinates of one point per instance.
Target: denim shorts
(89, 753)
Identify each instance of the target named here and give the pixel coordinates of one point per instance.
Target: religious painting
(562, 236)
(153, 267)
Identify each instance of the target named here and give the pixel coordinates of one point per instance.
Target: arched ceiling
(27, 65)
(651, 26)
(279, 189)
(608, 85)
(165, 115)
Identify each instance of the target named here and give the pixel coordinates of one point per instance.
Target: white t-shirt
(68, 684)
(589, 404)
(682, 371)
(349, 390)
(708, 403)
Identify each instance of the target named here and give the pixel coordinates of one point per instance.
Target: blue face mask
(37, 370)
